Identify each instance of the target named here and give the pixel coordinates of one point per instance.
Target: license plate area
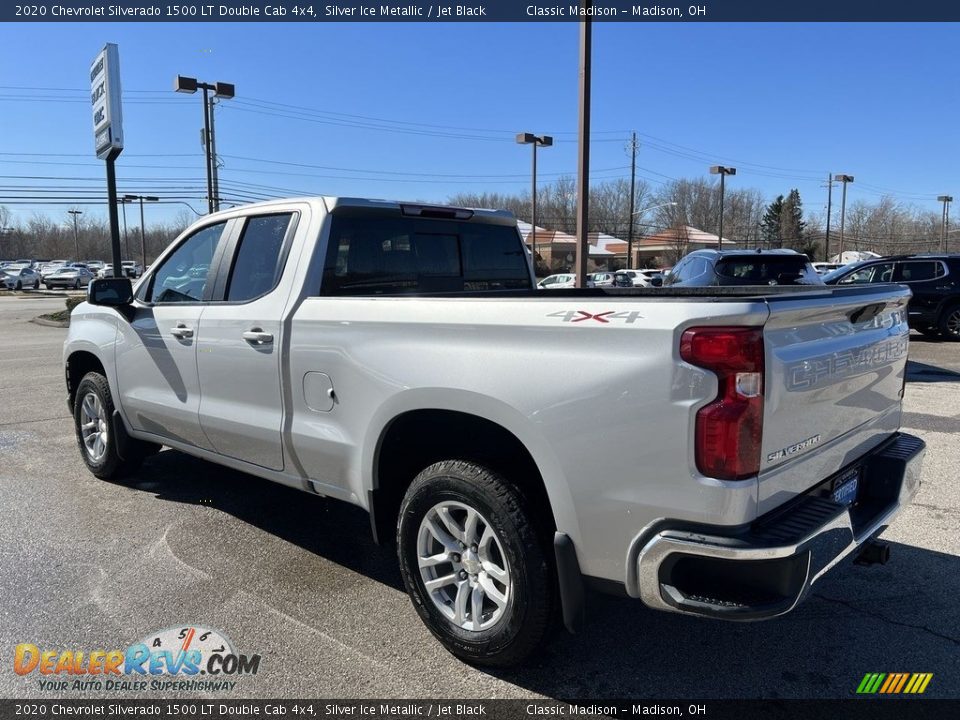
(844, 487)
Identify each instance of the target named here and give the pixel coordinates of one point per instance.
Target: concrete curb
(51, 323)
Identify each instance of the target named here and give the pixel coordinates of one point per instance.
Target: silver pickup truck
(708, 451)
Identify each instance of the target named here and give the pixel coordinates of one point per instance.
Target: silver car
(17, 277)
(69, 276)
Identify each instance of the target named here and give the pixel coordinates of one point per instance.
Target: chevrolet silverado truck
(708, 451)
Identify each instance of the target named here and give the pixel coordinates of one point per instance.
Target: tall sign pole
(108, 133)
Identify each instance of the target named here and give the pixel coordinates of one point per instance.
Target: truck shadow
(924, 372)
(900, 617)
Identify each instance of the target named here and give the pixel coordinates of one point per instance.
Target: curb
(51, 323)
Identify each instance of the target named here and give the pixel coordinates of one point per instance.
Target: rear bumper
(766, 570)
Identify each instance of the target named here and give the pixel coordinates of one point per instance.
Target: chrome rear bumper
(765, 571)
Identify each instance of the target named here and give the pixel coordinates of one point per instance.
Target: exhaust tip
(874, 552)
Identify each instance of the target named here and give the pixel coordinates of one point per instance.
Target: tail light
(729, 429)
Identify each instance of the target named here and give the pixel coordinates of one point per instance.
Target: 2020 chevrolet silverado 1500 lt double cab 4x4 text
(710, 451)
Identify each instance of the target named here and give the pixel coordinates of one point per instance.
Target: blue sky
(424, 111)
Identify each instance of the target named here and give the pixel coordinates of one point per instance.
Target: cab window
(259, 258)
(917, 270)
(182, 278)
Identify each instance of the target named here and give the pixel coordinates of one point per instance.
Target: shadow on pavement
(900, 617)
(924, 372)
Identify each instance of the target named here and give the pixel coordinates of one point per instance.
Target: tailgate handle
(866, 313)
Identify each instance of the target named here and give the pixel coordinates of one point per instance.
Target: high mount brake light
(729, 429)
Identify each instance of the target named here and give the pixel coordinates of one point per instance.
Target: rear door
(238, 358)
(928, 281)
(834, 378)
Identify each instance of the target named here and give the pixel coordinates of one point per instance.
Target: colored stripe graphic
(894, 683)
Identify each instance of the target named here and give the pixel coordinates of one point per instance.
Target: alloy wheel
(93, 427)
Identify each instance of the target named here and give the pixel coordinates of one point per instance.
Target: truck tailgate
(834, 373)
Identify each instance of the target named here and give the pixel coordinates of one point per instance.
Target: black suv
(743, 267)
(935, 306)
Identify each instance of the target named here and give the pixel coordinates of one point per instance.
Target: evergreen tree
(792, 226)
(770, 226)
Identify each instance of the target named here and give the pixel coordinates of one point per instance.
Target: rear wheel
(473, 565)
(950, 323)
(92, 416)
(36, 284)
(76, 284)
(19, 286)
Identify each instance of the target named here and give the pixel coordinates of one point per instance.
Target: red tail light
(729, 429)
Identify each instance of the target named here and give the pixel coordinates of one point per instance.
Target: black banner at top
(485, 11)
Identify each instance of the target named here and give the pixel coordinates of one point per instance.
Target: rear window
(764, 270)
(388, 255)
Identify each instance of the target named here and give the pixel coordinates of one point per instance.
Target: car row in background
(72, 275)
(31, 274)
(604, 278)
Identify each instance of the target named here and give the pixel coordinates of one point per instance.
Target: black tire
(19, 286)
(36, 285)
(949, 323)
(533, 596)
(76, 284)
(110, 466)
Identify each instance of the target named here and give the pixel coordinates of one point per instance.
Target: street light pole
(583, 144)
(526, 138)
(143, 242)
(844, 179)
(76, 233)
(126, 237)
(722, 172)
(944, 220)
(220, 90)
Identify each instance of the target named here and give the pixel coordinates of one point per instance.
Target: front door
(156, 354)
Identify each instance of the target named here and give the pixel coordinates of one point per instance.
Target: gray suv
(703, 268)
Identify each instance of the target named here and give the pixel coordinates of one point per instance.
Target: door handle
(256, 336)
(182, 332)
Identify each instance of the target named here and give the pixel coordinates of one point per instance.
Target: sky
(424, 111)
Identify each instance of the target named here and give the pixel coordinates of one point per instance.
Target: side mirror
(656, 282)
(110, 291)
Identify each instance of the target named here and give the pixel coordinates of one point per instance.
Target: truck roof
(412, 208)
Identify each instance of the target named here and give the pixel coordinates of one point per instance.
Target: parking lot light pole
(220, 90)
(76, 233)
(722, 172)
(541, 141)
(843, 179)
(143, 242)
(945, 220)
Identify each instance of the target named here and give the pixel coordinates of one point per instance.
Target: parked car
(637, 278)
(934, 280)
(558, 281)
(602, 279)
(346, 350)
(132, 269)
(18, 277)
(742, 267)
(105, 270)
(75, 275)
(823, 268)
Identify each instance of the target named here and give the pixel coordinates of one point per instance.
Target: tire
(930, 332)
(93, 399)
(76, 284)
(36, 285)
(19, 286)
(518, 596)
(949, 323)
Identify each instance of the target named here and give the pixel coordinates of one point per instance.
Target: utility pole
(826, 241)
(126, 237)
(633, 147)
(143, 232)
(583, 149)
(844, 179)
(944, 220)
(76, 233)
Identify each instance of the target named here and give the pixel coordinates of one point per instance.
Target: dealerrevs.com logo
(188, 657)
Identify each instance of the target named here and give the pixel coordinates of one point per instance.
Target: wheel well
(420, 438)
(78, 365)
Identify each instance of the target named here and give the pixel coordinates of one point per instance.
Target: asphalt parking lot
(87, 564)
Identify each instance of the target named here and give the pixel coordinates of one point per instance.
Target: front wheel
(92, 416)
(76, 284)
(473, 564)
(950, 323)
(36, 285)
(19, 286)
